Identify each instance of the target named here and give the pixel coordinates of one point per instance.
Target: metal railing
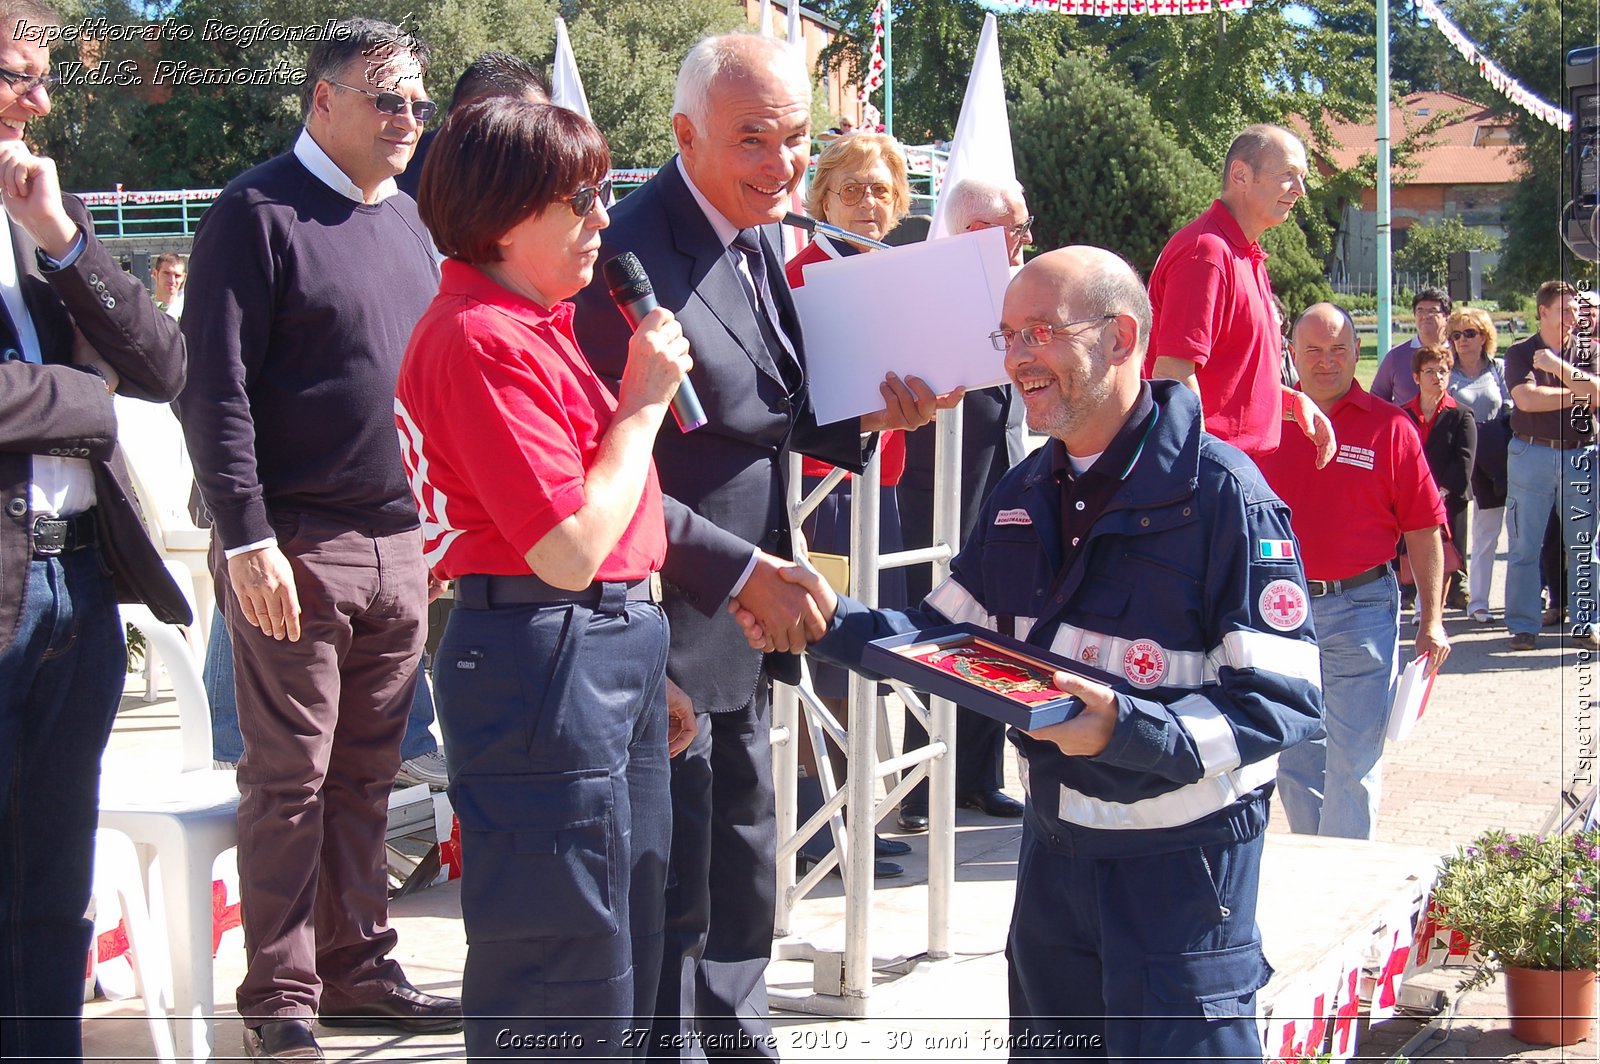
(174, 213)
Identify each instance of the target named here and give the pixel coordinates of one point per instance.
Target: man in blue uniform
(1134, 543)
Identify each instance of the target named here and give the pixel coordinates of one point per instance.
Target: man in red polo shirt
(1347, 520)
(1216, 329)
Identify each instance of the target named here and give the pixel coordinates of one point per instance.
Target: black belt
(1318, 588)
(479, 592)
(62, 535)
(1545, 441)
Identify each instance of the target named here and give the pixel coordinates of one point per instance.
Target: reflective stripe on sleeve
(1211, 732)
(1244, 649)
(957, 603)
(1186, 669)
(1173, 809)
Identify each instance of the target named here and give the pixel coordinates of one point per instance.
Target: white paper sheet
(922, 310)
(1410, 699)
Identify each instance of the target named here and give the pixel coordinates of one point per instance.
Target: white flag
(764, 19)
(566, 88)
(982, 148)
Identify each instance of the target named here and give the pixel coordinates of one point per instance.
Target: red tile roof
(1472, 148)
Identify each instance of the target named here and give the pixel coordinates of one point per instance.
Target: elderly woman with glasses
(1478, 384)
(860, 185)
(539, 498)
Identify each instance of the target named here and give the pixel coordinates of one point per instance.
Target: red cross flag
(1344, 1019)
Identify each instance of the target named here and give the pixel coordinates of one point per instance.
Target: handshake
(784, 605)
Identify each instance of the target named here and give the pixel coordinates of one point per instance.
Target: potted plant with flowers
(1527, 905)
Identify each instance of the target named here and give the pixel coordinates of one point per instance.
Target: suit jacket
(1451, 449)
(726, 481)
(56, 409)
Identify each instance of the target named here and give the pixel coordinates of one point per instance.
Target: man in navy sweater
(297, 337)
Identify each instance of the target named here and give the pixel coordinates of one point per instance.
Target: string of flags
(1109, 8)
(875, 65)
(1505, 83)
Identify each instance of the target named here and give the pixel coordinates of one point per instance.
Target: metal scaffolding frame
(841, 983)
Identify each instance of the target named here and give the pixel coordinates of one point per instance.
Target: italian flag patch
(1276, 550)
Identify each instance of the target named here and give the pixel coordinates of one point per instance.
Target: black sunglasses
(1465, 334)
(583, 200)
(392, 103)
(22, 84)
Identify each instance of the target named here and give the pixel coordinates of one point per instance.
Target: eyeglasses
(583, 200)
(1022, 230)
(1038, 335)
(22, 84)
(1465, 334)
(392, 103)
(850, 193)
(1434, 371)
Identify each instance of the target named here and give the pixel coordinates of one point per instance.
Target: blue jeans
(228, 745)
(1541, 479)
(1329, 783)
(60, 683)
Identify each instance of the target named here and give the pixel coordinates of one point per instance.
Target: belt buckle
(655, 587)
(44, 543)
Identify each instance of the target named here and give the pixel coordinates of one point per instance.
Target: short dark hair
(1552, 291)
(172, 257)
(36, 12)
(1431, 353)
(1252, 145)
(1437, 295)
(358, 38)
(497, 74)
(498, 161)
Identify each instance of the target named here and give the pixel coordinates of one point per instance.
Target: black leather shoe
(805, 862)
(991, 803)
(282, 1040)
(912, 820)
(882, 847)
(405, 1008)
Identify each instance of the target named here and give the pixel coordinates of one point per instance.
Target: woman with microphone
(539, 499)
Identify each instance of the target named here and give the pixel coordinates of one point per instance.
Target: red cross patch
(1283, 605)
(1145, 664)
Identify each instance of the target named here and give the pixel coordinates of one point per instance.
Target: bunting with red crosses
(1507, 85)
(875, 64)
(1111, 8)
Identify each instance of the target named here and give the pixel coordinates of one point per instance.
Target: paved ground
(1499, 741)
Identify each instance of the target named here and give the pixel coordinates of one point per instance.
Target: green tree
(628, 53)
(1099, 166)
(1298, 277)
(1430, 245)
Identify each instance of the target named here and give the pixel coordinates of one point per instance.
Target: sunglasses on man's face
(583, 200)
(1465, 334)
(392, 103)
(22, 84)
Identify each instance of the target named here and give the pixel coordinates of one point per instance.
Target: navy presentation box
(998, 676)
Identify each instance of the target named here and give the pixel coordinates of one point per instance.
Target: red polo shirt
(1213, 306)
(1350, 515)
(500, 418)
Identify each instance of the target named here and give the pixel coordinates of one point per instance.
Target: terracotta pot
(1550, 1008)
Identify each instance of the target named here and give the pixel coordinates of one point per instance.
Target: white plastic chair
(181, 822)
(117, 883)
(152, 442)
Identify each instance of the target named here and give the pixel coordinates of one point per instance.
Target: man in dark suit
(704, 230)
(74, 330)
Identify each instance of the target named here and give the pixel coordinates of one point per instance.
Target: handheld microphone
(635, 296)
(812, 225)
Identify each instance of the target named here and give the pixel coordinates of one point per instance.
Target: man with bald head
(1216, 328)
(992, 441)
(1347, 518)
(1152, 555)
(705, 230)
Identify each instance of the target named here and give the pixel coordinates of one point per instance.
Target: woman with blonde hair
(1478, 383)
(860, 184)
